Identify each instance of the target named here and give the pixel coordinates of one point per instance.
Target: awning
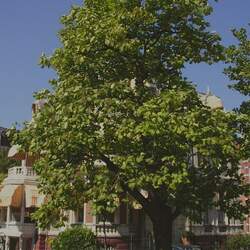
(11, 195)
(32, 196)
(16, 153)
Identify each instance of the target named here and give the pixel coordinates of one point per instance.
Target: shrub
(76, 238)
(238, 242)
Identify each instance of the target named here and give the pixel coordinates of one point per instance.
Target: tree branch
(134, 193)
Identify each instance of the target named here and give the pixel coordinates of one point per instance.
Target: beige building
(19, 197)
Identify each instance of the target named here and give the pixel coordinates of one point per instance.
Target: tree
(78, 238)
(122, 118)
(238, 58)
(5, 164)
(238, 242)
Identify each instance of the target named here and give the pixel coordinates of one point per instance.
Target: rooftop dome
(210, 100)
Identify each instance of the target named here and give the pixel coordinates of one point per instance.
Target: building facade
(245, 171)
(216, 226)
(128, 228)
(20, 197)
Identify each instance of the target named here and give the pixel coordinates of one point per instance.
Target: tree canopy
(122, 118)
(5, 164)
(238, 58)
(238, 242)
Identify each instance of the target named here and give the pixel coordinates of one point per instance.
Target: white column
(21, 242)
(7, 239)
(2, 214)
(23, 206)
(7, 242)
(84, 214)
(8, 216)
(71, 217)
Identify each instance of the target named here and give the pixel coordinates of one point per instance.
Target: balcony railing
(217, 229)
(109, 230)
(21, 172)
(14, 229)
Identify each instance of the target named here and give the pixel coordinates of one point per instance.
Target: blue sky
(28, 28)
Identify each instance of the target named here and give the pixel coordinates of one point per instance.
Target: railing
(16, 228)
(109, 230)
(217, 229)
(21, 171)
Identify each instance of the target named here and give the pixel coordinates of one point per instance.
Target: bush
(76, 238)
(238, 242)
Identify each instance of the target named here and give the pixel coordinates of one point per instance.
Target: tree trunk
(162, 226)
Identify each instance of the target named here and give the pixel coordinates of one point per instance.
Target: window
(3, 214)
(27, 214)
(221, 218)
(80, 215)
(15, 214)
(34, 201)
(206, 218)
(109, 217)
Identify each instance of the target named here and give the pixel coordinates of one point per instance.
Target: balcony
(17, 175)
(217, 229)
(21, 171)
(109, 230)
(112, 230)
(16, 229)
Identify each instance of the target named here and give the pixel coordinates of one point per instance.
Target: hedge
(76, 238)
